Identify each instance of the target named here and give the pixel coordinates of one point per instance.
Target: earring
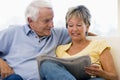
(86, 33)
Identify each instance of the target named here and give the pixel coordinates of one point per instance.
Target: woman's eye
(79, 25)
(70, 25)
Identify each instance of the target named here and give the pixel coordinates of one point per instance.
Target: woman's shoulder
(100, 44)
(65, 46)
(99, 41)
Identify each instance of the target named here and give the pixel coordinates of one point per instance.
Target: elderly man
(21, 44)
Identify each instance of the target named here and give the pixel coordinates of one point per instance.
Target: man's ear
(29, 20)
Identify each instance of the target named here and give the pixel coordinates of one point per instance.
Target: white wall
(119, 15)
(104, 18)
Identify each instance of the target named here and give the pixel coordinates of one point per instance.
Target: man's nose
(51, 24)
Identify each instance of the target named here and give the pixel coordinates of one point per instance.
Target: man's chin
(48, 34)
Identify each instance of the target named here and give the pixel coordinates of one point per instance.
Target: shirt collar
(27, 29)
(67, 46)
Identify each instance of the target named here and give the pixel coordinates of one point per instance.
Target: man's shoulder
(12, 29)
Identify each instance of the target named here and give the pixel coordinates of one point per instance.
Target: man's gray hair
(33, 8)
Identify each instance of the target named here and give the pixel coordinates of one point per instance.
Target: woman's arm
(108, 65)
(108, 72)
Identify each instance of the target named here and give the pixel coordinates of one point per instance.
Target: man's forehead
(45, 9)
(46, 13)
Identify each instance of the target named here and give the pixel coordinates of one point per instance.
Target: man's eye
(46, 21)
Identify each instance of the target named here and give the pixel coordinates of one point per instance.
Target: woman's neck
(77, 46)
(80, 42)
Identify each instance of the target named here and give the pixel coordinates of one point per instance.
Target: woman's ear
(86, 33)
(87, 29)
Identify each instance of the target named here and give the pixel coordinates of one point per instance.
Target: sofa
(115, 50)
(114, 43)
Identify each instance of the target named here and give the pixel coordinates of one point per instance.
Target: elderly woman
(78, 23)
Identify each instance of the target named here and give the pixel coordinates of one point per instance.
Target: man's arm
(91, 34)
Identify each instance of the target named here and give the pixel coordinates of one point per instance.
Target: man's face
(43, 25)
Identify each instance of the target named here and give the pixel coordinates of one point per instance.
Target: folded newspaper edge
(76, 66)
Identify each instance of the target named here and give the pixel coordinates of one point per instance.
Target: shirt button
(39, 41)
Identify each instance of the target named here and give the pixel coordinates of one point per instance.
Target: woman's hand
(94, 70)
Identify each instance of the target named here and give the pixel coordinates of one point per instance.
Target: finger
(2, 75)
(95, 66)
(91, 68)
(91, 73)
(5, 73)
(11, 72)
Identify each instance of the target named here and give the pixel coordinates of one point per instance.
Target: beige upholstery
(114, 42)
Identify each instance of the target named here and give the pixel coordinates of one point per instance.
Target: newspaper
(76, 66)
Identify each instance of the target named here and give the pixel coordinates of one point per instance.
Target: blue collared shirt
(21, 45)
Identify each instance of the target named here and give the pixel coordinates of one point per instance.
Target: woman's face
(77, 28)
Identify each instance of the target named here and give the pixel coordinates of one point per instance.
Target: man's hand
(91, 34)
(5, 69)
